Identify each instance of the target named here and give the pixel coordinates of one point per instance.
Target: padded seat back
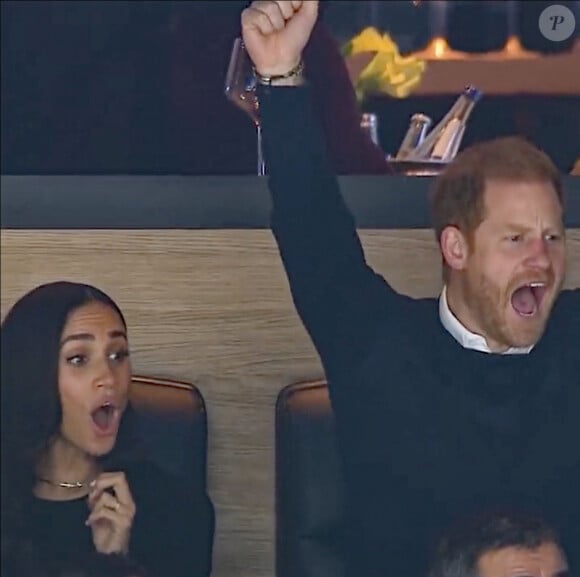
(309, 484)
(171, 421)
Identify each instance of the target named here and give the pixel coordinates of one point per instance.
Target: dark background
(87, 85)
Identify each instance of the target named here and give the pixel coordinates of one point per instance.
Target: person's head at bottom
(500, 544)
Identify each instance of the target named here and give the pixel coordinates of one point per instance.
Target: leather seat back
(309, 484)
(172, 425)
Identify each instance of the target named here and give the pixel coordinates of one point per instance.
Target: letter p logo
(557, 19)
(557, 23)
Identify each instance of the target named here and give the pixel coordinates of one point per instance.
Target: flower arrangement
(387, 71)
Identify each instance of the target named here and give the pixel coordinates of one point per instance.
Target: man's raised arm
(340, 300)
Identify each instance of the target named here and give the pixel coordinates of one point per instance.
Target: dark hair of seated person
(172, 531)
(460, 548)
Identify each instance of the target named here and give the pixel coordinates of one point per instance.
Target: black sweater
(431, 431)
(172, 533)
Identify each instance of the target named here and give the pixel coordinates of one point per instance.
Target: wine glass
(240, 89)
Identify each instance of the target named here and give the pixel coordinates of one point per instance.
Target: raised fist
(275, 33)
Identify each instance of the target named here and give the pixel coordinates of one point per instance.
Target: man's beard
(491, 307)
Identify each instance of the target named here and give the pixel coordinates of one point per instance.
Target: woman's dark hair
(30, 406)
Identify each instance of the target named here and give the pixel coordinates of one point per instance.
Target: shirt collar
(465, 337)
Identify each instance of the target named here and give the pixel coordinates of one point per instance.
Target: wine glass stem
(261, 163)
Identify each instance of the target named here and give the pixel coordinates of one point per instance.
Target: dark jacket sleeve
(173, 528)
(339, 298)
(351, 150)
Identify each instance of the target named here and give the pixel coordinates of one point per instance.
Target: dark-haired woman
(73, 482)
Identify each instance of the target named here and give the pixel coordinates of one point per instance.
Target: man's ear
(454, 248)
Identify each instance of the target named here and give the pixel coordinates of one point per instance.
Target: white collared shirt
(465, 337)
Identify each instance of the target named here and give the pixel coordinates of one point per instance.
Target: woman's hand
(112, 511)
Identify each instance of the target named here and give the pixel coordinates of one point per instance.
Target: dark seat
(171, 421)
(309, 484)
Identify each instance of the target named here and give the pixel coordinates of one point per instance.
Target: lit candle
(512, 18)
(438, 18)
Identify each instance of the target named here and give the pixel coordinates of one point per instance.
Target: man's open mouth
(527, 298)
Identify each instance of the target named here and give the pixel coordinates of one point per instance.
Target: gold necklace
(65, 484)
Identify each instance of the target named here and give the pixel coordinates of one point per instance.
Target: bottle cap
(421, 117)
(472, 93)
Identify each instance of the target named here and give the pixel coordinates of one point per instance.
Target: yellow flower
(388, 71)
(370, 40)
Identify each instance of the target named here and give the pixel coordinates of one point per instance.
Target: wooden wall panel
(213, 307)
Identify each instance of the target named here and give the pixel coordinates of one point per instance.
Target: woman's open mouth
(527, 298)
(106, 418)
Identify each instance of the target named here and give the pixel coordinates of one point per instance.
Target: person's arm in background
(202, 116)
(350, 149)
